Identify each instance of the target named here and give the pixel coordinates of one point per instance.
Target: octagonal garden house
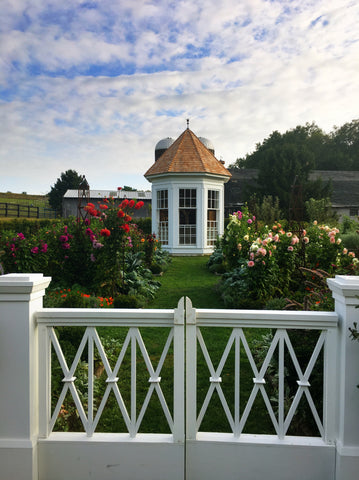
(187, 194)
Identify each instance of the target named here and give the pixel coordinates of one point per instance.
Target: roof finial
(187, 123)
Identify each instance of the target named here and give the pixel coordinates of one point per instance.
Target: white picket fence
(31, 448)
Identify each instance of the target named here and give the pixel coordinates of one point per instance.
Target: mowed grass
(24, 199)
(188, 276)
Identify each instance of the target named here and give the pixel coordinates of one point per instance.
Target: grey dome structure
(207, 143)
(162, 146)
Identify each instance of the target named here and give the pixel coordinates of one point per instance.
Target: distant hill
(22, 198)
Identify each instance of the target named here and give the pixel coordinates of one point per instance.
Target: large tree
(67, 181)
(284, 162)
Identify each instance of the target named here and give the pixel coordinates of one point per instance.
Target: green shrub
(351, 242)
(156, 269)
(125, 301)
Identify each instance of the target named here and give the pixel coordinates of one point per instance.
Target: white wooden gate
(247, 456)
(186, 451)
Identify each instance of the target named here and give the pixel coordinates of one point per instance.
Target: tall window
(212, 216)
(162, 216)
(187, 216)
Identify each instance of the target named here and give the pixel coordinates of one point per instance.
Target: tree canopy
(285, 161)
(338, 150)
(67, 181)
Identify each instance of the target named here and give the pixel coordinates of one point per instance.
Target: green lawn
(188, 276)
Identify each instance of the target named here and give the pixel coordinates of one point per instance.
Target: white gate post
(346, 294)
(20, 297)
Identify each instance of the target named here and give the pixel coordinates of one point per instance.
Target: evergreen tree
(67, 181)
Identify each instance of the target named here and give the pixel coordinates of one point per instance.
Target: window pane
(187, 198)
(162, 199)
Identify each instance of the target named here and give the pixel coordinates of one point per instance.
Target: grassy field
(24, 199)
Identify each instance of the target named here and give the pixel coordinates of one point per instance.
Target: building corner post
(20, 297)
(345, 291)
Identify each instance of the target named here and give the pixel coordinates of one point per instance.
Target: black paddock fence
(25, 211)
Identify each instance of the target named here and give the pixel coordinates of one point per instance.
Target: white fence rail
(132, 321)
(280, 322)
(30, 348)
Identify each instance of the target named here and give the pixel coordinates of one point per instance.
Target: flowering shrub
(21, 254)
(70, 298)
(97, 253)
(264, 263)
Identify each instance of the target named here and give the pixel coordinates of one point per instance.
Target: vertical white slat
(237, 365)
(329, 386)
(133, 383)
(179, 373)
(90, 383)
(191, 371)
(44, 381)
(281, 386)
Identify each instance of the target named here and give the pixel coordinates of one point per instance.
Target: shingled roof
(187, 155)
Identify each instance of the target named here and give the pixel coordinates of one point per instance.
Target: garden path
(188, 276)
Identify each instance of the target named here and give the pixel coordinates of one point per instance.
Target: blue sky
(94, 85)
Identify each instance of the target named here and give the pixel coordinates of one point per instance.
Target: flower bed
(261, 263)
(105, 255)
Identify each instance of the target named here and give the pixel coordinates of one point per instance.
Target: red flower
(91, 209)
(127, 218)
(119, 188)
(125, 227)
(139, 205)
(105, 232)
(103, 207)
(131, 203)
(120, 214)
(124, 203)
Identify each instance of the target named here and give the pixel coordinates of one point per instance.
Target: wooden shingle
(187, 155)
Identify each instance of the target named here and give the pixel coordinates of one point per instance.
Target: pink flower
(44, 248)
(21, 236)
(306, 240)
(332, 239)
(250, 263)
(35, 250)
(249, 221)
(290, 248)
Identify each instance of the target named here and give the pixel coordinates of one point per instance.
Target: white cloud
(238, 71)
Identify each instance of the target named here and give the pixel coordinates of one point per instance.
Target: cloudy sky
(94, 85)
